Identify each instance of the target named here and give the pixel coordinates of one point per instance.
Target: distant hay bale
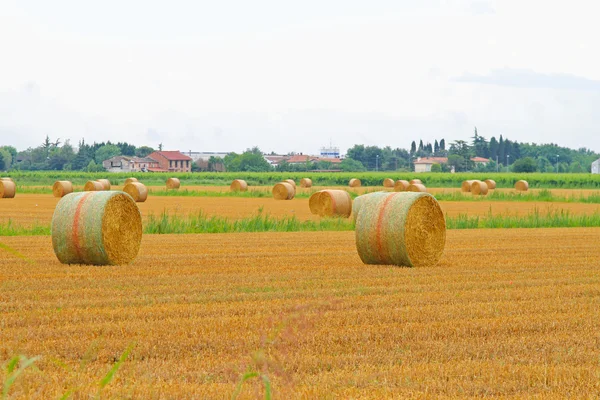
(405, 229)
(238, 185)
(96, 228)
(415, 182)
(8, 189)
(354, 182)
(522, 186)
(137, 190)
(283, 191)
(388, 183)
(479, 188)
(466, 186)
(401, 185)
(416, 187)
(491, 184)
(105, 183)
(291, 182)
(93, 186)
(130, 180)
(305, 182)
(62, 188)
(331, 203)
(173, 183)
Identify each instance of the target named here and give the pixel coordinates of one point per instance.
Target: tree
(480, 145)
(457, 161)
(421, 145)
(105, 152)
(46, 145)
(526, 164)
(493, 148)
(413, 148)
(93, 167)
(160, 146)
(436, 148)
(251, 160)
(436, 168)
(13, 152)
(351, 165)
(5, 159)
(143, 151)
(443, 145)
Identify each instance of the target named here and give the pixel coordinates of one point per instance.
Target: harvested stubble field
(511, 313)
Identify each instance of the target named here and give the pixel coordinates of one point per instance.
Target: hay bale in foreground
(6, 179)
(479, 188)
(331, 203)
(93, 186)
(62, 188)
(405, 229)
(416, 187)
(173, 183)
(305, 182)
(401, 185)
(97, 228)
(283, 191)
(415, 182)
(358, 202)
(238, 185)
(522, 186)
(466, 186)
(137, 190)
(130, 180)
(491, 184)
(354, 182)
(105, 183)
(8, 189)
(388, 183)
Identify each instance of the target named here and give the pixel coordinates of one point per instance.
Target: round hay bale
(93, 186)
(354, 182)
(105, 183)
(331, 203)
(522, 186)
(405, 229)
(6, 179)
(314, 204)
(8, 189)
(62, 188)
(401, 185)
(388, 183)
(305, 182)
(479, 188)
(130, 180)
(416, 187)
(291, 182)
(491, 184)
(358, 202)
(137, 190)
(466, 186)
(97, 228)
(238, 185)
(283, 191)
(173, 183)
(415, 182)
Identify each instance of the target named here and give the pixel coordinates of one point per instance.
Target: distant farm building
(596, 167)
(131, 164)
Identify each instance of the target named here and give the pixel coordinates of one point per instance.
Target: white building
(203, 155)
(596, 167)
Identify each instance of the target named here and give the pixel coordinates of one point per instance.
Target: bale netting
(96, 228)
(479, 188)
(405, 229)
(93, 186)
(522, 186)
(358, 202)
(415, 182)
(137, 190)
(173, 183)
(416, 187)
(8, 189)
(354, 182)
(331, 203)
(105, 183)
(388, 183)
(491, 184)
(401, 185)
(130, 180)
(238, 185)
(305, 182)
(62, 188)
(466, 186)
(283, 191)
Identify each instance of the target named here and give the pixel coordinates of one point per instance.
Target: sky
(294, 76)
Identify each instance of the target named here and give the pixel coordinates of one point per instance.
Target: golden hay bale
(479, 188)
(416, 187)
(491, 184)
(62, 188)
(6, 179)
(313, 203)
(406, 229)
(331, 203)
(415, 182)
(466, 186)
(354, 182)
(358, 202)
(8, 189)
(401, 185)
(389, 183)
(137, 190)
(93, 186)
(522, 186)
(105, 183)
(283, 191)
(130, 180)
(173, 183)
(98, 228)
(291, 182)
(306, 182)
(238, 185)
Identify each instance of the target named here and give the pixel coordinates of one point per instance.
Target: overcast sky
(294, 75)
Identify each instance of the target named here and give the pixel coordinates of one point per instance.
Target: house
(424, 164)
(480, 161)
(172, 161)
(198, 156)
(596, 167)
(130, 164)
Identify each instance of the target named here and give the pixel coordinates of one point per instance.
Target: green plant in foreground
(14, 368)
(111, 373)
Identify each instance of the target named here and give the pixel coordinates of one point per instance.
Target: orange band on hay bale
(401, 185)
(283, 191)
(522, 186)
(173, 183)
(479, 188)
(8, 189)
(93, 186)
(359, 201)
(354, 182)
(62, 188)
(238, 185)
(406, 229)
(331, 203)
(130, 180)
(96, 228)
(388, 183)
(491, 184)
(415, 182)
(466, 186)
(306, 182)
(416, 187)
(137, 190)
(105, 183)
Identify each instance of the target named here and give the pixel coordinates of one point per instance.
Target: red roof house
(172, 161)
